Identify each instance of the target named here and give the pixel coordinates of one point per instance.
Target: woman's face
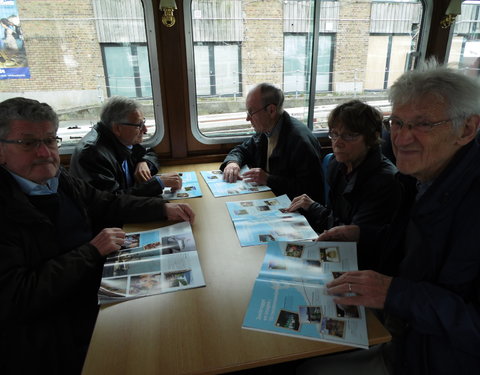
(349, 147)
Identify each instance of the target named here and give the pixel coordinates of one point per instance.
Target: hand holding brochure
(289, 295)
(221, 188)
(264, 220)
(190, 188)
(152, 262)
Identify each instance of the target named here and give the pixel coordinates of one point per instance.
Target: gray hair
(117, 109)
(459, 92)
(271, 94)
(24, 109)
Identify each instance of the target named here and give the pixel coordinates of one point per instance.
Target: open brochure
(264, 220)
(190, 188)
(220, 188)
(289, 295)
(152, 262)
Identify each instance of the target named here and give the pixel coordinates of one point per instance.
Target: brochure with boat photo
(260, 221)
(289, 295)
(152, 262)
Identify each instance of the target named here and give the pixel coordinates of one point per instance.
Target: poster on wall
(13, 58)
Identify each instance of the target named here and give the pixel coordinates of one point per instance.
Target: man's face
(424, 155)
(37, 165)
(262, 118)
(129, 134)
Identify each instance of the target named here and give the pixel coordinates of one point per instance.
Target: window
(320, 53)
(127, 72)
(74, 55)
(217, 67)
(465, 43)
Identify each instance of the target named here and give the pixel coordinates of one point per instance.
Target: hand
(302, 201)
(108, 240)
(142, 172)
(179, 211)
(256, 175)
(365, 288)
(172, 180)
(342, 233)
(231, 172)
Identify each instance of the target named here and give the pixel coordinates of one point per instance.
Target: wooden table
(198, 331)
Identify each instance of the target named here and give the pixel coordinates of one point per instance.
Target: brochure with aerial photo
(220, 188)
(264, 220)
(289, 295)
(152, 262)
(190, 188)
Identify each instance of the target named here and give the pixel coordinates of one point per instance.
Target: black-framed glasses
(395, 124)
(250, 114)
(139, 125)
(33, 144)
(347, 137)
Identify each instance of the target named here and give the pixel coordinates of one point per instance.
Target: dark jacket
(49, 294)
(437, 292)
(295, 163)
(98, 159)
(370, 197)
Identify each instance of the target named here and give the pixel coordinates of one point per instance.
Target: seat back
(325, 163)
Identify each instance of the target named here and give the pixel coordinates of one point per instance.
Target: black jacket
(98, 159)
(370, 197)
(295, 163)
(49, 294)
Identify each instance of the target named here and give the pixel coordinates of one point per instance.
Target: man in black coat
(56, 232)
(110, 157)
(283, 154)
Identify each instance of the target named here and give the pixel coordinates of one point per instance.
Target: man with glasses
(110, 157)
(283, 154)
(430, 289)
(56, 232)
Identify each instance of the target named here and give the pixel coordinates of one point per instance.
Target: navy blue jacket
(437, 291)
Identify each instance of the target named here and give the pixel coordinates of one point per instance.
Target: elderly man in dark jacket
(56, 232)
(283, 154)
(432, 302)
(111, 158)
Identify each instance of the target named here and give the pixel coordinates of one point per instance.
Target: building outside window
(75, 55)
(359, 49)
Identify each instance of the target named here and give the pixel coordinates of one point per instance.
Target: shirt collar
(32, 188)
(276, 128)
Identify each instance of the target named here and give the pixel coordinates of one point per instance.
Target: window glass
(74, 55)
(359, 49)
(465, 43)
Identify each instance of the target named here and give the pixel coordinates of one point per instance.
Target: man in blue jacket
(283, 154)
(432, 303)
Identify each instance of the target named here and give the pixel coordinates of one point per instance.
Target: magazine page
(190, 188)
(264, 220)
(289, 296)
(152, 262)
(221, 188)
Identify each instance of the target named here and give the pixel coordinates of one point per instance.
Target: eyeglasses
(395, 124)
(347, 137)
(33, 144)
(139, 125)
(250, 114)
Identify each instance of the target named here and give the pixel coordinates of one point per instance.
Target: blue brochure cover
(289, 295)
